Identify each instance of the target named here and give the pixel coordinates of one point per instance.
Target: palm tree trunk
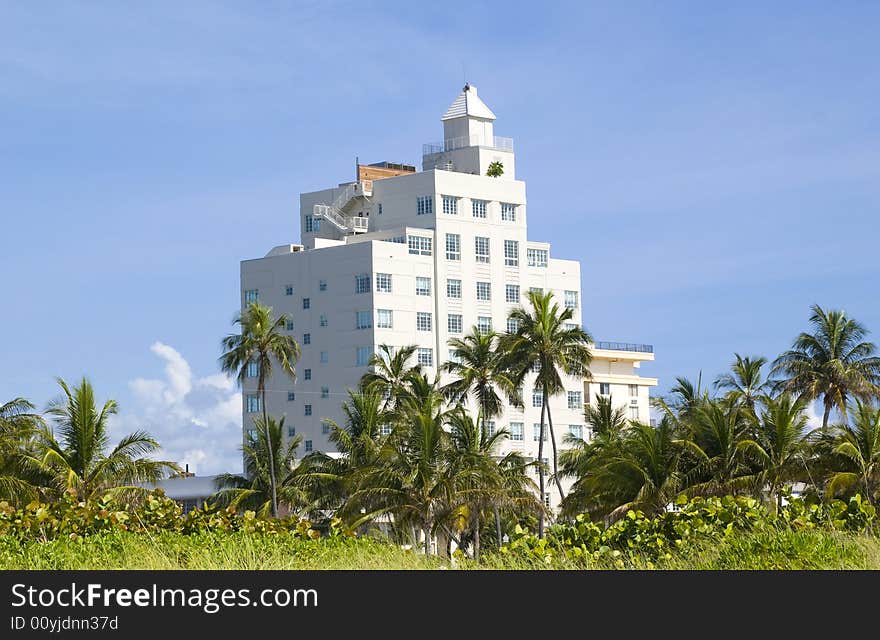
(498, 526)
(828, 406)
(541, 470)
(267, 435)
(555, 459)
(477, 538)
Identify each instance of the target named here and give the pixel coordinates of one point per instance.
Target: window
(291, 431)
(537, 397)
(289, 325)
(291, 396)
(307, 374)
(307, 304)
(537, 290)
(511, 293)
(604, 389)
(325, 392)
(313, 225)
(633, 413)
(453, 356)
(516, 431)
(424, 205)
(325, 427)
(454, 323)
(508, 212)
(253, 370)
(490, 427)
(307, 338)
(323, 320)
(420, 245)
(379, 212)
(511, 253)
(481, 249)
(453, 246)
(571, 299)
(450, 205)
(363, 356)
(423, 286)
(322, 285)
(570, 326)
(288, 290)
(484, 324)
(362, 283)
(484, 291)
(384, 319)
(307, 409)
(478, 207)
(426, 357)
(453, 288)
(363, 319)
(253, 403)
(383, 283)
(385, 430)
(547, 499)
(536, 432)
(633, 391)
(423, 321)
(576, 431)
(537, 257)
(251, 295)
(512, 325)
(575, 400)
(324, 358)
(308, 446)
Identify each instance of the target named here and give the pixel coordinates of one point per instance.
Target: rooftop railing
(625, 346)
(502, 144)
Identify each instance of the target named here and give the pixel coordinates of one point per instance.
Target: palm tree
(260, 343)
(834, 362)
(479, 369)
(717, 431)
(543, 342)
(75, 453)
(391, 373)
(19, 482)
(780, 448)
(684, 397)
(744, 382)
(858, 446)
(253, 490)
(603, 417)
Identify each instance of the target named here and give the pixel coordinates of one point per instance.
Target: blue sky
(715, 167)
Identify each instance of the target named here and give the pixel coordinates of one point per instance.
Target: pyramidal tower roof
(468, 103)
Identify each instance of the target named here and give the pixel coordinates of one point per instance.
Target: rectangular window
(253, 370)
(516, 431)
(490, 427)
(508, 212)
(511, 253)
(363, 319)
(481, 249)
(450, 205)
(385, 430)
(425, 357)
(478, 207)
(383, 283)
(633, 391)
(251, 295)
(536, 432)
(308, 446)
(288, 290)
(537, 290)
(537, 397)
(484, 324)
(362, 283)
(454, 323)
(575, 400)
(537, 257)
(307, 303)
(420, 245)
(453, 288)
(307, 410)
(570, 326)
(363, 356)
(484, 291)
(384, 319)
(323, 319)
(423, 321)
(453, 356)
(379, 212)
(424, 205)
(313, 225)
(307, 374)
(571, 299)
(325, 427)
(253, 403)
(291, 431)
(307, 338)
(291, 396)
(576, 431)
(453, 246)
(511, 293)
(324, 357)
(605, 388)
(325, 392)
(423, 286)
(512, 325)
(289, 325)
(633, 413)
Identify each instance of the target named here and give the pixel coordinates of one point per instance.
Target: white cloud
(197, 420)
(815, 415)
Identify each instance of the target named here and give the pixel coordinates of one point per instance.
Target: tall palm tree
(858, 446)
(602, 417)
(75, 452)
(479, 371)
(834, 362)
(253, 490)
(391, 373)
(19, 482)
(260, 343)
(543, 342)
(745, 382)
(717, 431)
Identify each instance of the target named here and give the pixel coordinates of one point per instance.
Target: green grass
(786, 549)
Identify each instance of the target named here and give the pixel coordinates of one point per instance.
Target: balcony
(499, 143)
(625, 346)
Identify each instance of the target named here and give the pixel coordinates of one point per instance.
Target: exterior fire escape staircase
(334, 212)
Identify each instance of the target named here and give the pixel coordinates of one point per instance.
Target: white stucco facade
(430, 253)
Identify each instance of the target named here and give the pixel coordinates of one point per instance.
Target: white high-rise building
(401, 257)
